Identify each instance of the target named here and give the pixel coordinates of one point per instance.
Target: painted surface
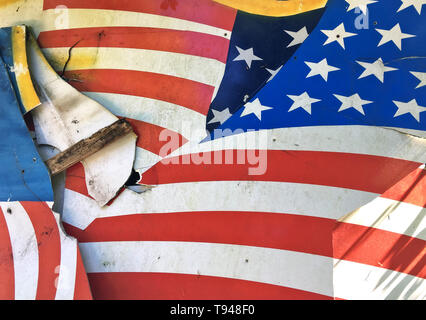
(219, 224)
(13, 48)
(156, 65)
(37, 259)
(27, 92)
(332, 141)
(66, 116)
(384, 242)
(275, 8)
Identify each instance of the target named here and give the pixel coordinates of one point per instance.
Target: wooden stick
(88, 146)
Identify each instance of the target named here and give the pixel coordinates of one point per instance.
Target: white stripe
(391, 215)
(357, 281)
(57, 19)
(24, 249)
(351, 139)
(290, 198)
(68, 267)
(195, 68)
(312, 273)
(157, 112)
(145, 159)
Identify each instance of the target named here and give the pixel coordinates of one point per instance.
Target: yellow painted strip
(28, 95)
(274, 8)
(4, 3)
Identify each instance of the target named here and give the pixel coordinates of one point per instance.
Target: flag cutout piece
(379, 249)
(66, 117)
(353, 69)
(258, 49)
(38, 260)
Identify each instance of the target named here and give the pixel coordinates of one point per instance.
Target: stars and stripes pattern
(215, 230)
(155, 63)
(354, 69)
(258, 49)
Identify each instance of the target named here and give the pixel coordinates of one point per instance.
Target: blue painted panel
(23, 175)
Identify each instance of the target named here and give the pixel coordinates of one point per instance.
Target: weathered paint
(379, 249)
(24, 175)
(67, 116)
(44, 263)
(31, 251)
(274, 8)
(27, 92)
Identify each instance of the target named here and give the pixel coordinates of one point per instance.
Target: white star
(321, 68)
(298, 36)
(303, 101)
(421, 76)
(395, 35)
(246, 55)
(409, 107)
(273, 73)
(361, 4)
(338, 34)
(376, 68)
(220, 116)
(254, 107)
(354, 101)
(415, 3)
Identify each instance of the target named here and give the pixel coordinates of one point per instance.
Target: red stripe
(170, 286)
(185, 42)
(149, 137)
(201, 11)
(353, 171)
(82, 289)
(75, 180)
(380, 248)
(270, 230)
(183, 92)
(49, 247)
(7, 272)
(411, 189)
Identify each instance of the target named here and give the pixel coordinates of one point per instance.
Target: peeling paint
(66, 116)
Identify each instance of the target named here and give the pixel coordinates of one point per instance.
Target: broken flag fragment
(37, 259)
(64, 116)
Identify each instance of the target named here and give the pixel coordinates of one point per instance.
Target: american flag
(338, 124)
(37, 259)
